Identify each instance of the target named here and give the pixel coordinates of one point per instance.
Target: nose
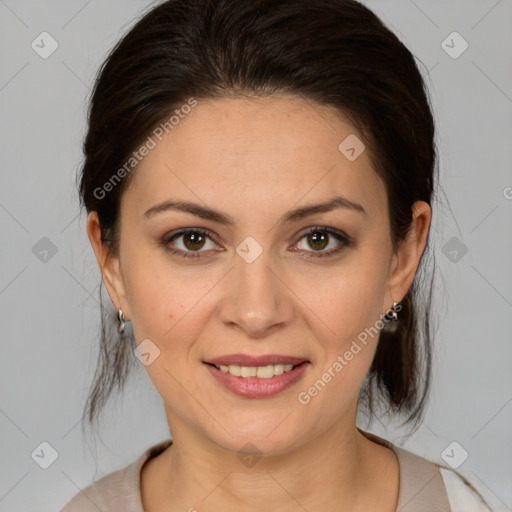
(257, 300)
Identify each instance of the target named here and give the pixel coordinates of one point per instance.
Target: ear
(407, 257)
(109, 265)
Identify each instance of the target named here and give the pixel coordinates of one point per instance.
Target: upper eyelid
(185, 231)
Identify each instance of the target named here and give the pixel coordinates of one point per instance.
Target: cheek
(154, 300)
(167, 302)
(152, 307)
(350, 305)
(347, 300)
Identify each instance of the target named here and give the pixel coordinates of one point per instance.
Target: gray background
(49, 302)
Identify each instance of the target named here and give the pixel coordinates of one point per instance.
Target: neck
(340, 467)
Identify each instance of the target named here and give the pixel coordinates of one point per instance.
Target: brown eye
(193, 241)
(318, 238)
(189, 243)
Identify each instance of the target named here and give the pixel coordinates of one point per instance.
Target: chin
(267, 438)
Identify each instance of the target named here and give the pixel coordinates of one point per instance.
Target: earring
(393, 313)
(120, 317)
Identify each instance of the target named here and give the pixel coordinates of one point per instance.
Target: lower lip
(252, 387)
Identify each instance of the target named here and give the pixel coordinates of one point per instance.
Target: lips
(262, 360)
(256, 387)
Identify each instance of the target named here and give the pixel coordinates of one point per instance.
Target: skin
(254, 160)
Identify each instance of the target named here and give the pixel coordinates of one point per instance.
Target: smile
(261, 372)
(257, 381)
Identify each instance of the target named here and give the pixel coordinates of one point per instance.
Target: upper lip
(262, 360)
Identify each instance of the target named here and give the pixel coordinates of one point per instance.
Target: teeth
(261, 372)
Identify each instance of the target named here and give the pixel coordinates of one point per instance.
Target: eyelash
(341, 237)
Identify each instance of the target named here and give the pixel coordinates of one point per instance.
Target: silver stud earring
(122, 321)
(393, 313)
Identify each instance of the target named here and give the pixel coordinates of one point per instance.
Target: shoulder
(426, 483)
(462, 494)
(119, 489)
(440, 480)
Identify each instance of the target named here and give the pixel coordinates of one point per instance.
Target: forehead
(273, 150)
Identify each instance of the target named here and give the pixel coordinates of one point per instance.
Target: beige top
(422, 486)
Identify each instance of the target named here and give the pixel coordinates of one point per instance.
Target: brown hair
(333, 52)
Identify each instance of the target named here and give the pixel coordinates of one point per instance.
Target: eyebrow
(221, 218)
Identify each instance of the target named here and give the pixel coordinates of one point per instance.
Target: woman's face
(259, 284)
